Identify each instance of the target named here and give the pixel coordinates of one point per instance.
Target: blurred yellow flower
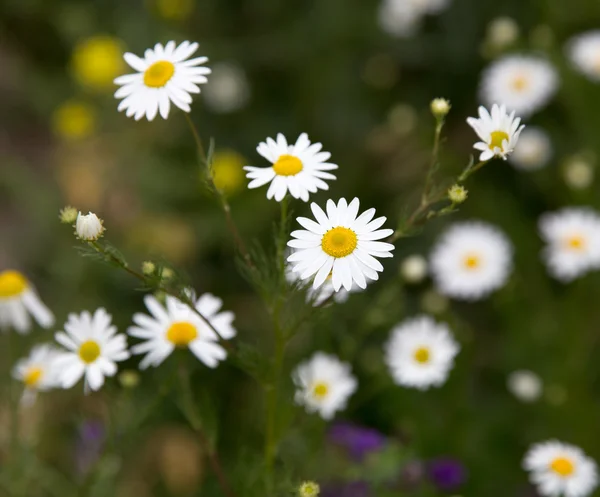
(174, 10)
(228, 173)
(74, 120)
(97, 61)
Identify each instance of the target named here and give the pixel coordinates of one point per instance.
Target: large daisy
(37, 372)
(165, 74)
(300, 168)
(584, 52)
(340, 243)
(498, 131)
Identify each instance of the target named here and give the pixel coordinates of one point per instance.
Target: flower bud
(148, 268)
(309, 489)
(68, 215)
(457, 194)
(89, 227)
(129, 378)
(413, 269)
(525, 385)
(440, 107)
(579, 174)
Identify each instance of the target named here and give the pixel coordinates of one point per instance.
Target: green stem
(197, 139)
(470, 170)
(434, 159)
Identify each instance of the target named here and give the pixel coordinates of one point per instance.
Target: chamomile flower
(340, 243)
(533, 150)
(524, 84)
(498, 131)
(324, 384)
(176, 325)
(572, 236)
(93, 349)
(165, 75)
(471, 260)
(37, 371)
(584, 52)
(420, 353)
(300, 168)
(560, 469)
(18, 300)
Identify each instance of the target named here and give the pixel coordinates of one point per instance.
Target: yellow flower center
(159, 74)
(181, 333)
(320, 390)
(497, 138)
(472, 261)
(12, 283)
(287, 165)
(89, 351)
(520, 83)
(575, 242)
(32, 376)
(422, 355)
(563, 466)
(339, 242)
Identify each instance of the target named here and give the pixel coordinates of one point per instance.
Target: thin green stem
(470, 170)
(197, 139)
(434, 159)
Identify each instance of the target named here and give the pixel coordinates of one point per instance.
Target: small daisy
(18, 300)
(573, 242)
(498, 132)
(37, 372)
(324, 384)
(420, 353)
(93, 348)
(340, 244)
(165, 75)
(560, 469)
(533, 150)
(471, 260)
(584, 52)
(299, 168)
(524, 84)
(177, 326)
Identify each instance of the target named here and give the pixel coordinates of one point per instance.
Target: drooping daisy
(300, 168)
(584, 52)
(533, 150)
(324, 384)
(37, 371)
(18, 300)
(524, 84)
(420, 353)
(498, 131)
(165, 74)
(471, 260)
(178, 326)
(93, 349)
(340, 244)
(560, 469)
(573, 242)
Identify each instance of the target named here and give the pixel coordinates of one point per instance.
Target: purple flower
(352, 489)
(89, 444)
(447, 473)
(357, 440)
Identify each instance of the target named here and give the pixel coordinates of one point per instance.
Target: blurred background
(333, 69)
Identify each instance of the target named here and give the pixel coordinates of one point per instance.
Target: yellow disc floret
(339, 242)
(287, 165)
(89, 351)
(497, 138)
(472, 261)
(32, 376)
(562, 466)
(320, 390)
(181, 333)
(422, 355)
(575, 242)
(159, 74)
(12, 283)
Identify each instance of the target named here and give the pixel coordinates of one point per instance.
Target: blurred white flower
(402, 18)
(89, 227)
(165, 75)
(525, 385)
(502, 32)
(324, 384)
(584, 52)
(523, 84)
(414, 268)
(471, 260)
(420, 353)
(572, 237)
(37, 371)
(578, 173)
(532, 151)
(18, 299)
(498, 132)
(228, 89)
(560, 469)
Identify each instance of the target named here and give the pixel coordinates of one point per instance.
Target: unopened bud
(309, 489)
(440, 107)
(129, 378)
(89, 227)
(148, 268)
(457, 194)
(68, 215)
(414, 268)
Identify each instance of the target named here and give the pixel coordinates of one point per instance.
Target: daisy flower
(498, 131)
(559, 469)
(524, 84)
(324, 384)
(18, 300)
(584, 52)
(471, 260)
(420, 353)
(165, 74)
(177, 326)
(572, 236)
(532, 151)
(93, 349)
(37, 371)
(299, 168)
(340, 244)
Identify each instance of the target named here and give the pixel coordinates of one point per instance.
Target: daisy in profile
(340, 243)
(572, 236)
(471, 260)
(37, 371)
(420, 353)
(165, 75)
(498, 132)
(524, 84)
(324, 384)
(178, 326)
(584, 52)
(19, 300)
(559, 469)
(93, 349)
(299, 169)
(533, 150)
